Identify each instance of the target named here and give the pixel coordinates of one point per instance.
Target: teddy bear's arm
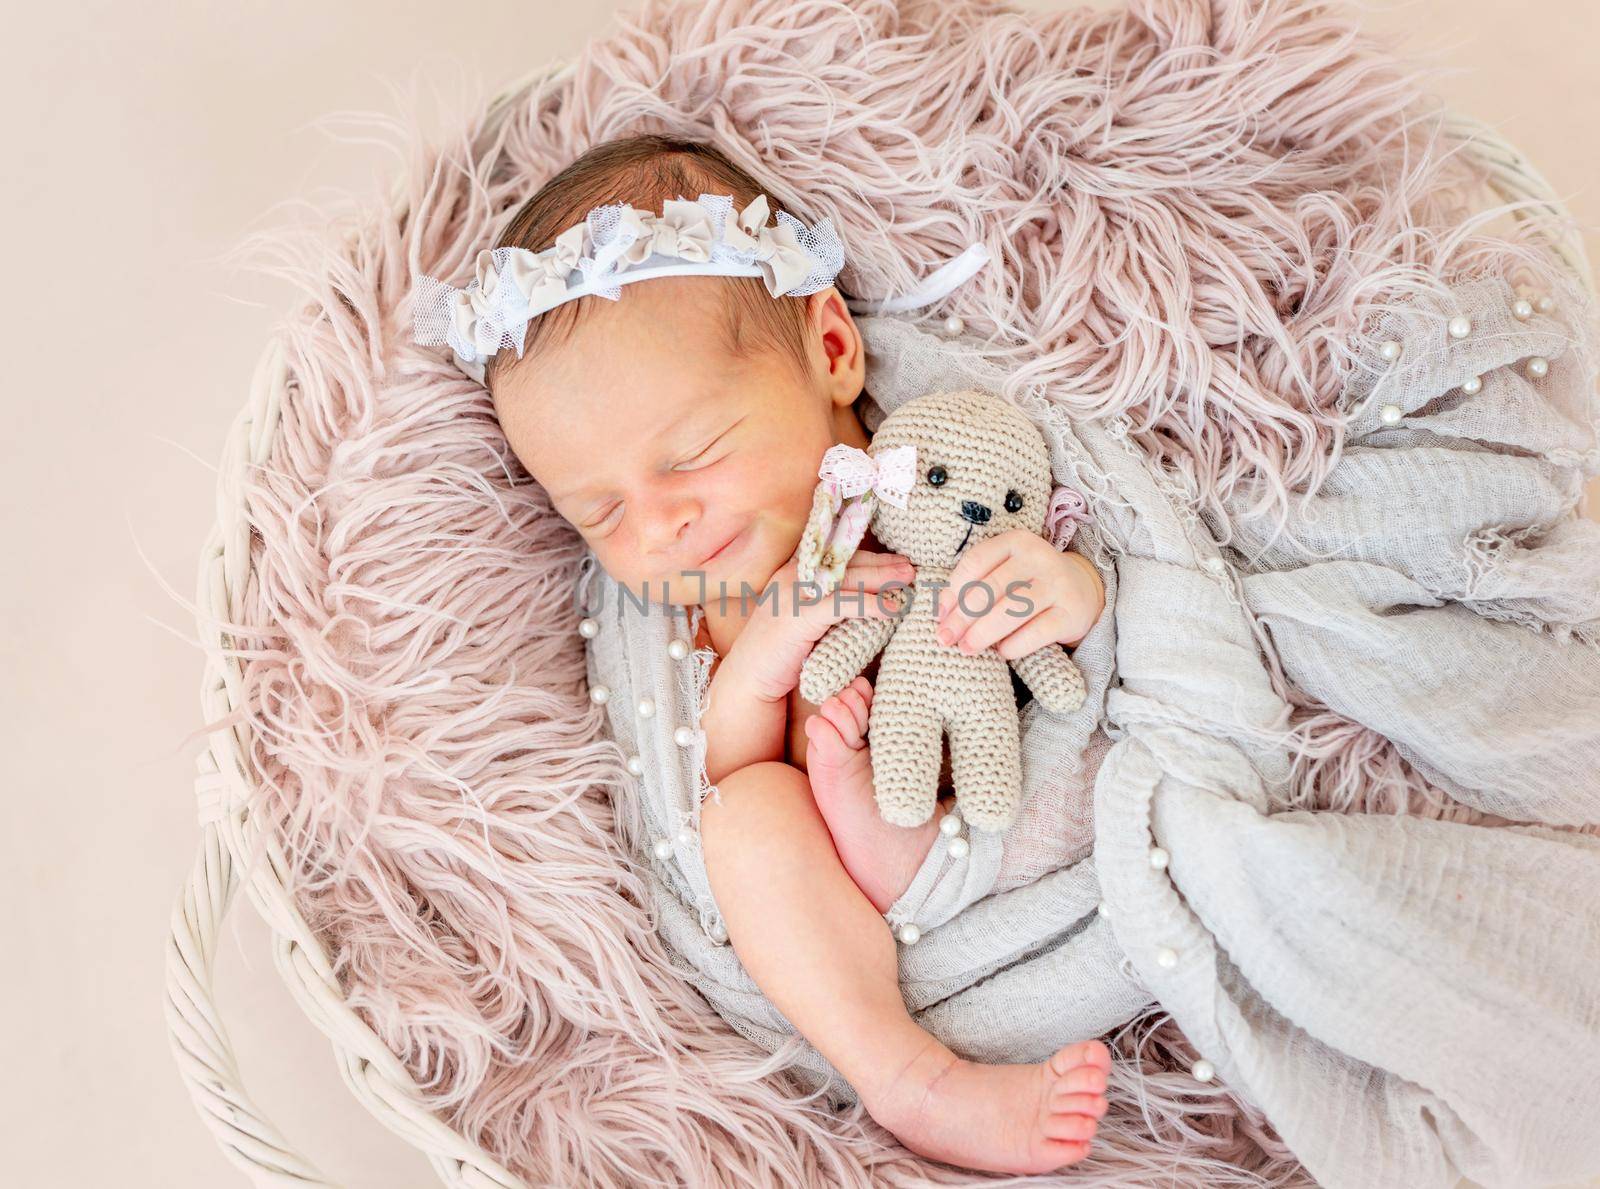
(841, 654)
(1053, 676)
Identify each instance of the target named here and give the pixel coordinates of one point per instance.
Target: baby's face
(673, 460)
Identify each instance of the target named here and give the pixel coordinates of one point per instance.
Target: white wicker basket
(200, 1040)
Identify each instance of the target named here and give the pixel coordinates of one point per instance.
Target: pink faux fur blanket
(1193, 206)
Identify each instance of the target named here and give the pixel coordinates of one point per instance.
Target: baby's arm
(743, 726)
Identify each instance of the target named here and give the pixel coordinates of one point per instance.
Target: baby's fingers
(851, 601)
(871, 572)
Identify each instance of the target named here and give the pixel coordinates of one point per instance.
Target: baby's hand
(782, 630)
(747, 715)
(1012, 570)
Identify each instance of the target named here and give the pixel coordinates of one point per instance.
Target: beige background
(142, 142)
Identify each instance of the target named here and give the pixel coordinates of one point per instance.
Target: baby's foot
(998, 1118)
(881, 858)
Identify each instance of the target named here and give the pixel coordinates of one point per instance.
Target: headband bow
(683, 229)
(541, 279)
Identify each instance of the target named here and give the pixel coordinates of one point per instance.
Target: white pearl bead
(1390, 414)
(1105, 910)
(1203, 1070)
(1546, 304)
(1472, 385)
(684, 837)
(588, 628)
(1166, 957)
(683, 736)
(678, 649)
(718, 931)
(1460, 326)
(636, 765)
(661, 848)
(1158, 858)
(959, 847)
(1522, 309)
(950, 825)
(1538, 367)
(647, 707)
(1390, 350)
(953, 325)
(910, 934)
(599, 694)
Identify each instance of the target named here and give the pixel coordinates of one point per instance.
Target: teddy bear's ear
(824, 507)
(833, 532)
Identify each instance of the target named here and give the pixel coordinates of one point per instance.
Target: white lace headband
(617, 244)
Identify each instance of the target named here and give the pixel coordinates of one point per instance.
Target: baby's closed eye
(702, 457)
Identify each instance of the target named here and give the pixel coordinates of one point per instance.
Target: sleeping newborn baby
(679, 429)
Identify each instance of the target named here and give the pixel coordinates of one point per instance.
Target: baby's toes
(1086, 1054)
(1079, 1128)
(842, 720)
(1065, 1152)
(1064, 1101)
(858, 697)
(1078, 1070)
(847, 711)
(823, 742)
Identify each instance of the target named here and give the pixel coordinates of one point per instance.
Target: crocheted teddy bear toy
(943, 471)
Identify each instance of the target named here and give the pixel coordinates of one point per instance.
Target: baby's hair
(644, 171)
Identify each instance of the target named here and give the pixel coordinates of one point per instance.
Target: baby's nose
(974, 511)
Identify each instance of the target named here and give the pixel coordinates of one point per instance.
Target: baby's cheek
(778, 481)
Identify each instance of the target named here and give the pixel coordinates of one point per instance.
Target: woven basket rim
(376, 1077)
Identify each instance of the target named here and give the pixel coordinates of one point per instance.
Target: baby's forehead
(693, 302)
(617, 376)
(664, 323)
(640, 351)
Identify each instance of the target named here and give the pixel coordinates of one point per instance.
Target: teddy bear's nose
(974, 511)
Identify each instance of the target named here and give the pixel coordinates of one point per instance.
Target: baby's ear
(833, 532)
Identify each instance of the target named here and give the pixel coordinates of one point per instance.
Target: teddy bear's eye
(936, 476)
(1013, 502)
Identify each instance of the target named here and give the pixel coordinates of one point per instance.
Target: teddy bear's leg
(986, 768)
(907, 740)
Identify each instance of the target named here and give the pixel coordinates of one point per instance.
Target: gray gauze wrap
(1407, 999)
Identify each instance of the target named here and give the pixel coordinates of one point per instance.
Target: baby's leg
(825, 958)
